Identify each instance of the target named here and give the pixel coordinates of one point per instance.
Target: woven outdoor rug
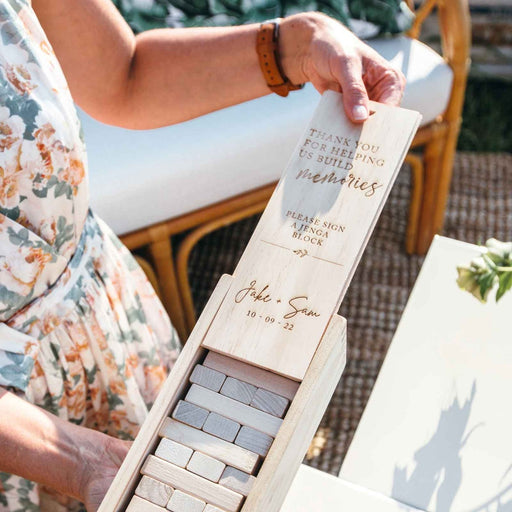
(479, 207)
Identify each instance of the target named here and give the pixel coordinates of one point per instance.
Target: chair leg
(433, 155)
(417, 171)
(161, 252)
(445, 176)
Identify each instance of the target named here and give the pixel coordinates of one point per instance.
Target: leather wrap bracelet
(267, 47)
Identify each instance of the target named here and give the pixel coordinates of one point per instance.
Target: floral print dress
(82, 333)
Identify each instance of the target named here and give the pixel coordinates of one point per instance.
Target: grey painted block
(174, 452)
(154, 491)
(270, 402)
(181, 502)
(237, 480)
(190, 414)
(211, 379)
(238, 390)
(222, 427)
(253, 440)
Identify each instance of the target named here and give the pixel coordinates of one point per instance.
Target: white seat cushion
(138, 178)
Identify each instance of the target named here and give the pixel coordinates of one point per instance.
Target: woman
(84, 342)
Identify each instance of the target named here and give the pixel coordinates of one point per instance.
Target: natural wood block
(254, 440)
(206, 466)
(270, 402)
(211, 508)
(190, 414)
(173, 452)
(184, 480)
(138, 504)
(238, 390)
(236, 411)
(219, 449)
(207, 377)
(181, 502)
(237, 481)
(251, 374)
(221, 427)
(154, 491)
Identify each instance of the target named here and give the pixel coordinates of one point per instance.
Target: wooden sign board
(297, 266)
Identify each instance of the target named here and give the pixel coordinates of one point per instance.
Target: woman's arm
(165, 76)
(73, 460)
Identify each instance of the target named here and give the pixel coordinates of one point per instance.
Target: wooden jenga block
(270, 402)
(238, 390)
(154, 491)
(219, 449)
(190, 414)
(221, 427)
(254, 440)
(237, 481)
(186, 481)
(173, 452)
(234, 410)
(255, 376)
(211, 508)
(206, 466)
(208, 378)
(138, 504)
(182, 502)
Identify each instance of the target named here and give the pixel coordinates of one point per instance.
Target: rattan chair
(430, 159)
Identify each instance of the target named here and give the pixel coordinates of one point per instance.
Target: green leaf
(505, 284)
(486, 282)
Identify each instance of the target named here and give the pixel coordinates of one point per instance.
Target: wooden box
(236, 415)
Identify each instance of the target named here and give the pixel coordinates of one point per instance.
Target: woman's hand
(320, 50)
(102, 463)
(71, 460)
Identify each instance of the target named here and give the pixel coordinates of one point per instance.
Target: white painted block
(238, 390)
(254, 440)
(234, 410)
(237, 481)
(174, 452)
(206, 466)
(221, 427)
(219, 449)
(183, 480)
(190, 414)
(270, 402)
(207, 377)
(154, 491)
(138, 504)
(181, 502)
(256, 376)
(211, 508)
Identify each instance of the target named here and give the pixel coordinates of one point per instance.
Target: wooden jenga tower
(236, 415)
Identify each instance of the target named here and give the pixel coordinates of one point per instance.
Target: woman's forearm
(165, 76)
(159, 77)
(45, 449)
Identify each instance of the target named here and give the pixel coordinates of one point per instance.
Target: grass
(487, 116)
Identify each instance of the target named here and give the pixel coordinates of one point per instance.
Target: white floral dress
(82, 333)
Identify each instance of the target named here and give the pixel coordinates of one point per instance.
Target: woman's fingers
(383, 82)
(348, 71)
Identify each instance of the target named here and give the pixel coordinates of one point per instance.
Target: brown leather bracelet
(267, 47)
